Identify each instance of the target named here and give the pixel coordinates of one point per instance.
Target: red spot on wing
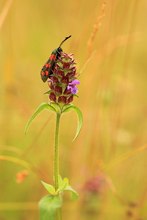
(47, 65)
(46, 73)
(53, 57)
(43, 73)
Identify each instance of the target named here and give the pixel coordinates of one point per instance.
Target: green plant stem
(56, 152)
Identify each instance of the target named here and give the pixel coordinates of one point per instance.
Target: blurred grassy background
(110, 48)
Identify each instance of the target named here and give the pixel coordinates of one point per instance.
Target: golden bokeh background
(109, 45)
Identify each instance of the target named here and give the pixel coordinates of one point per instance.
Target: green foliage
(48, 206)
(49, 188)
(74, 194)
(68, 108)
(63, 186)
(48, 92)
(40, 108)
(58, 109)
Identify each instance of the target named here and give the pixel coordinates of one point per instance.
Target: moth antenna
(64, 40)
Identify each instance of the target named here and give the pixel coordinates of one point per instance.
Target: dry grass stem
(4, 12)
(96, 27)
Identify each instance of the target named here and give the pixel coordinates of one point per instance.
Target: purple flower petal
(74, 82)
(72, 86)
(74, 90)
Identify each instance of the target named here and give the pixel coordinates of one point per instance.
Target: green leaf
(49, 206)
(80, 117)
(56, 106)
(64, 186)
(16, 161)
(66, 106)
(63, 183)
(40, 108)
(48, 92)
(74, 194)
(60, 180)
(49, 188)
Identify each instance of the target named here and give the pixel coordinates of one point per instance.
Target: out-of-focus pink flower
(95, 185)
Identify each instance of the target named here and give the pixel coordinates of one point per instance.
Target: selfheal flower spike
(63, 82)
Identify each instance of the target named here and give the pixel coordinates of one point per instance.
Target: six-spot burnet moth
(48, 68)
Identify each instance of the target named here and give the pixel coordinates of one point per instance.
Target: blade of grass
(4, 12)
(16, 161)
